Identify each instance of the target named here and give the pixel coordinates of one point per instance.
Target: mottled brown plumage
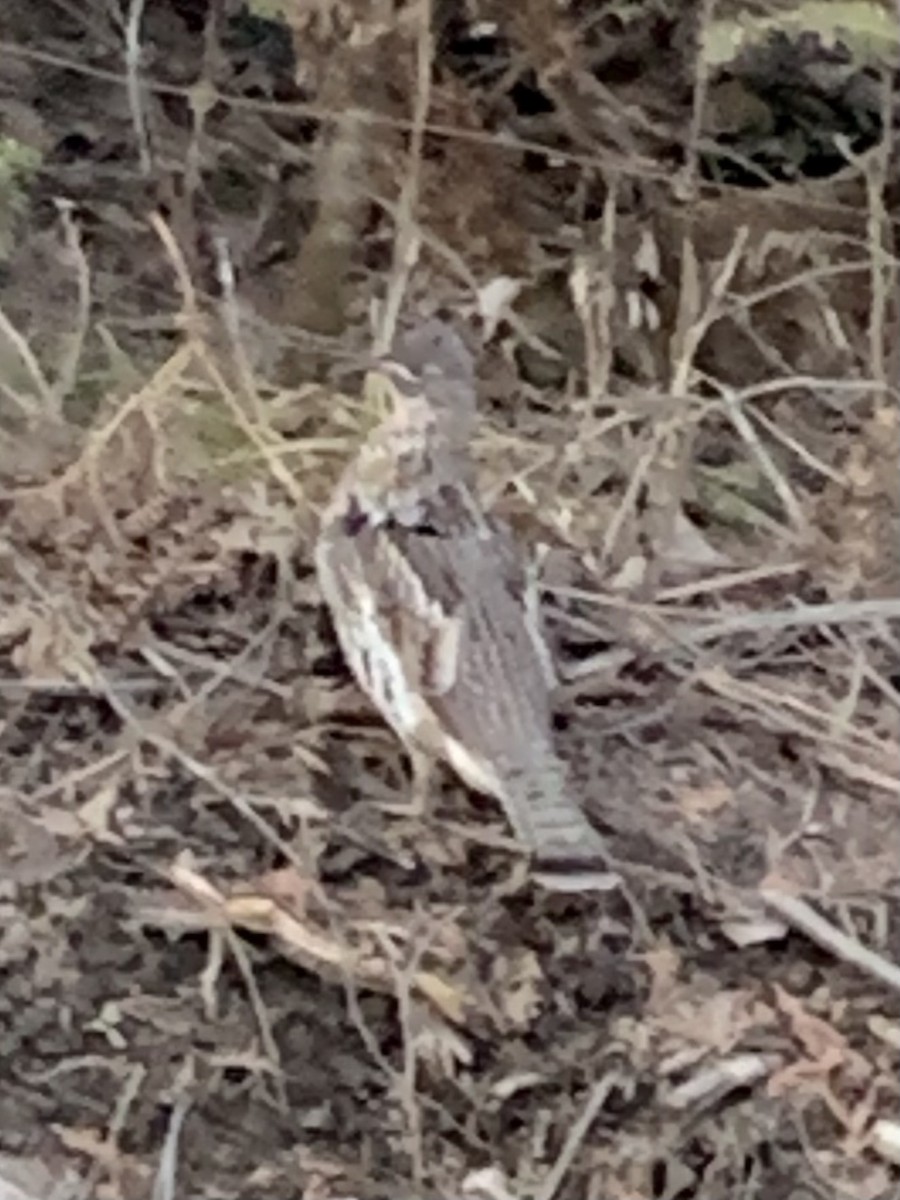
(429, 598)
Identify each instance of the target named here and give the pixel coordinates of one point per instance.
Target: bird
(432, 605)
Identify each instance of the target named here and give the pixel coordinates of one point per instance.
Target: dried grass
(181, 751)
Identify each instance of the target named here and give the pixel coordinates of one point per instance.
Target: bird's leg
(421, 772)
(421, 766)
(534, 622)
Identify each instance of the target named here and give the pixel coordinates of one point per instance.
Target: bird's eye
(354, 520)
(420, 526)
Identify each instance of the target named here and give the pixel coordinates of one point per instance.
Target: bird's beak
(374, 362)
(380, 367)
(379, 388)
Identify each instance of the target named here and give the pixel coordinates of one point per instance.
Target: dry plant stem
(441, 250)
(802, 717)
(23, 404)
(93, 477)
(593, 292)
(803, 453)
(813, 383)
(688, 180)
(579, 1131)
(68, 370)
(164, 1185)
(367, 117)
(135, 97)
(802, 916)
(883, 685)
(273, 460)
(845, 709)
(201, 101)
(841, 612)
(231, 318)
(197, 347)
(117, 1122)
(99, 24)
(850, 766)
(783, 490)
(722, 583)
(257, 1003)
(602, 365)
(212, 972)
(635, 483)
(406, 1080)
(190, 317)
(697, 325)
(623, 164)
(407, 240)
(875, 167)
(690, 327)
(803, 279)
(231, 670)
(619, 604)
(68, 782)
(32, 366)
(159, 389)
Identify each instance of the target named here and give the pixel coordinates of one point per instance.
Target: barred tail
(551, 825)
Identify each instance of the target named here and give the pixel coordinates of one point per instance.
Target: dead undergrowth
(226, 972)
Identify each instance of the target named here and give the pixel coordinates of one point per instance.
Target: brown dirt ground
(225, 971)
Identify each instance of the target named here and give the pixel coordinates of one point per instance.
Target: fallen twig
(802, 916)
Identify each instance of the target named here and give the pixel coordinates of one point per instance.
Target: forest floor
(225, 970)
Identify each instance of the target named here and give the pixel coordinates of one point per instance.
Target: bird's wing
(495, 718)
(419, 599)
(446, 590)
(391, 582)
(466, 567)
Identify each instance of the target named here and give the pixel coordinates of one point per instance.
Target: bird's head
(430, 367)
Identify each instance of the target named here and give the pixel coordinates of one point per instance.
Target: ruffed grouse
(429, 598)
